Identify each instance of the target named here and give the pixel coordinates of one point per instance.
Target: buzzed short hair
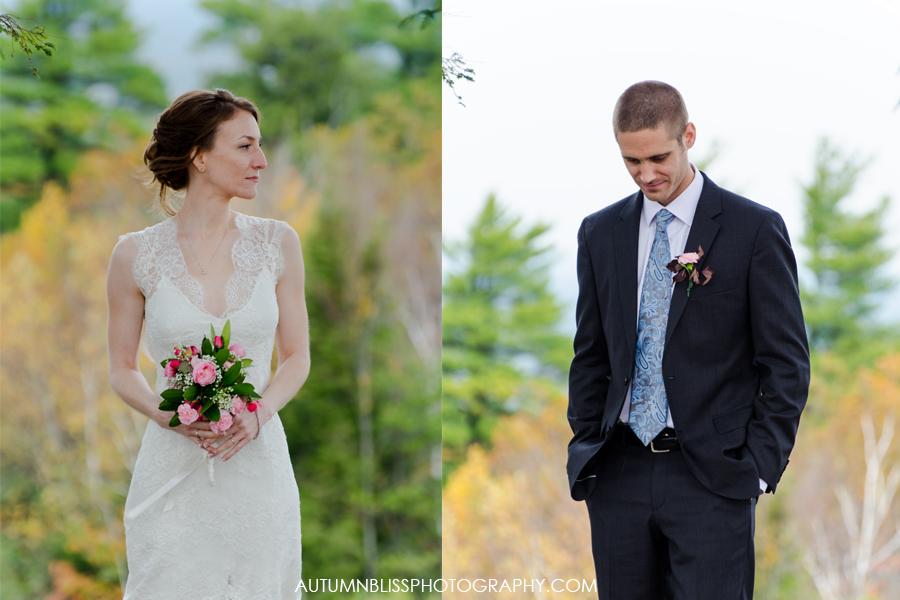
(647, 105)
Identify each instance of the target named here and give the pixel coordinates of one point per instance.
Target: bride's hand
(244, 429)
(199, 432)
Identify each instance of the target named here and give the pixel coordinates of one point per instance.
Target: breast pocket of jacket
(724, 312)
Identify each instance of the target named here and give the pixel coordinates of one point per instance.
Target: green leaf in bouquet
(191, 392)
(213, 413)
(226, 333)
(185, 367)
(222, 356)
(212, 332)
(206, 347)
(242, 389)
(246, 362)
(206, 404)
(173, 394)
(164, 362)
(175, 421)
(254, 395)
(231, 375)
(169, 404)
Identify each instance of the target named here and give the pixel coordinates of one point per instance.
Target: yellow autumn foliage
(507, 513)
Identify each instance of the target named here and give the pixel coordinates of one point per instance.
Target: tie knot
(663, 218)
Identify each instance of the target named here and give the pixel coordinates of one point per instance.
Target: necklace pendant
(203, 272)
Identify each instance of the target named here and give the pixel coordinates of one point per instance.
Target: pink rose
(187, 414)
(689, 258)
(223, 423)
(238, 405)
(172, 367)
(238, 350)
(253, 406)
(218, 341)
(194, 351)
(204, 371)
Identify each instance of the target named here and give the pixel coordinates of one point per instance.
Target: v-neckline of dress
(228, 282)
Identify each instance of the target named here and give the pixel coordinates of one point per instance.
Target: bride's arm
(126, 315)
(292, 334)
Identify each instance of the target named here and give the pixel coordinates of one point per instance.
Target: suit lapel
(626, 250)
(703, 232)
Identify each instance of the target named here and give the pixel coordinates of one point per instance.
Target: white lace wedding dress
(239, 539)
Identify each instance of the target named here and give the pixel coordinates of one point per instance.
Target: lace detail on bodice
(160, 257)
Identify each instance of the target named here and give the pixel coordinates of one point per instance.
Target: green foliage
(28, 40)
(499, 328)
(454, 69)
(321, 63)
(846, 254)
(92, 94)
(363, 428)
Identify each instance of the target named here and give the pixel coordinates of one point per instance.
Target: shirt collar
(683, 207)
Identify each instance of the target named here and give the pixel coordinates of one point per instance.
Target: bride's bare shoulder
(126, 250)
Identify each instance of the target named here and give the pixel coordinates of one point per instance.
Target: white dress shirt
(683, 208)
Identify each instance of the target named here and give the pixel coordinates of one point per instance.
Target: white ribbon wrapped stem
(167, 487)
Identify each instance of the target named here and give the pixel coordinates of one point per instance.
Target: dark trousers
(658, 534)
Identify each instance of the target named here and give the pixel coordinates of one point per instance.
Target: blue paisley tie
(648, 394)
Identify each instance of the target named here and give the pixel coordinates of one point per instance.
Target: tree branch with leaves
(29, 40)
(453, 68)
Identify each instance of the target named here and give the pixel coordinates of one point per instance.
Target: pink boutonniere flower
(685, 266)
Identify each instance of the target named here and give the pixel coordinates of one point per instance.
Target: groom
(684, 400)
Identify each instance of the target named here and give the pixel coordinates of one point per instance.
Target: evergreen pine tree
(846, 253)
(499, 328)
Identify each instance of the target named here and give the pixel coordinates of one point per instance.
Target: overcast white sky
(764, 79)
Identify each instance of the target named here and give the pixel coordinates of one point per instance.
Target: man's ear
(689, 136)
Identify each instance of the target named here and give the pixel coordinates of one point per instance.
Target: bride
(206, 264)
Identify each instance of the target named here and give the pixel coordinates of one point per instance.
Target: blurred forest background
(351, 123)
(833, 529)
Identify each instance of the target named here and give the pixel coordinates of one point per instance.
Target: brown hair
(188, 126)
(648, 104)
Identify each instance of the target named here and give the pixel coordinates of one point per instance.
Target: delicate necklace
(202, 270)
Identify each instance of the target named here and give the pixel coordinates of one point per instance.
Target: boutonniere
(684, 267)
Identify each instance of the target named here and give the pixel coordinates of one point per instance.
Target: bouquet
(207, 384)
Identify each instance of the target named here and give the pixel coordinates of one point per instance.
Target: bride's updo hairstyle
(187, 127)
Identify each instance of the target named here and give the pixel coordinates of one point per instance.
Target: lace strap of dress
(274, 253)
(142, 270)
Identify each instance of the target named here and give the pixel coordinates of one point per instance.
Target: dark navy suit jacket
(736, 362)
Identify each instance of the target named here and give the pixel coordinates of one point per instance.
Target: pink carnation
(238, 405)
(238, 350)
(187, 414)
(689, 258)
(172, 367)
(204, 371)
(223, 423)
